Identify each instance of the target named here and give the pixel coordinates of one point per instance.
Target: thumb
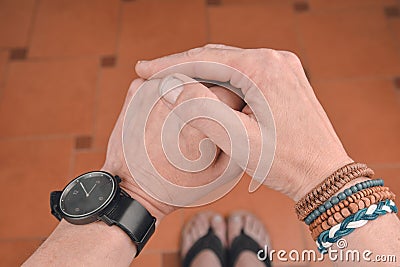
(236, 133)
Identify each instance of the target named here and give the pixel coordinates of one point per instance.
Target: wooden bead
(372, 198)
(337, 208)
(353, 207)
(328, 212)
(341, 205)
(345, 202)
(325, 225)
(338, 217)
(367, 202)
(360, 204)
(331, 221)
(345, 212)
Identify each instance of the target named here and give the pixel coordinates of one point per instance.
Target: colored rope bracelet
(341, 196)
(354, 203)
(341, 215)
(327, 238)
(330, 186)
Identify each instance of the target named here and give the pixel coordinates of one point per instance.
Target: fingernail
(170, 88)
(141, 61)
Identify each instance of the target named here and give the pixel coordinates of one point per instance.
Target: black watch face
(87, 194)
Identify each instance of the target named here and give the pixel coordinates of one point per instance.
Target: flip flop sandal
(209, 241)
(241, 243)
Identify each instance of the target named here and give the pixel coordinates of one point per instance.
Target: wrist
(319, 174)
(157, 209)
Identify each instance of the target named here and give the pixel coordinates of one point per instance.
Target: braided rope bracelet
(357, 220)
(329, 187)
(338, 217)
(341, 196)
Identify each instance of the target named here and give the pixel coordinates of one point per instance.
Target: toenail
(236, 218)
(217, 218)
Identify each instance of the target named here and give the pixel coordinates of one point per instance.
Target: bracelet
(341, 215)
(341, 196)
(327, 238)
(355, 202)
(329, 187)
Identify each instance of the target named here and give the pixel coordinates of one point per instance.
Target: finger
(234, 132)
(213, 53)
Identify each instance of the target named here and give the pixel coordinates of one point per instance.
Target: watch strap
(133, 219)
(54, 204)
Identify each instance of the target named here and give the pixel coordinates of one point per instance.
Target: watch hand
(84, 189)
(91, 189)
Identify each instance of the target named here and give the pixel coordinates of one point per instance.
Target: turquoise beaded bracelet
(341, 196)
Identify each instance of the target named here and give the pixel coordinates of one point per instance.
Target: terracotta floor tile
(365, 115)
(15, 22)
(54, 97)
(71, 28)
(345, 4)
(348, 43)
(247, 2)
(152, 29)
(114, 85)
(15, 252)
(273, 208)
(269, 25)
(30, 170)
(171, 259)
(3, 63)
(168, 233)
(395, 27)
(86, 161)
(152, 259)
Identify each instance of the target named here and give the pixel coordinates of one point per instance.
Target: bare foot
(198, 227)
(252, 227)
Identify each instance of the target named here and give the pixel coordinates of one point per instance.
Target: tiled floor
(65, 67)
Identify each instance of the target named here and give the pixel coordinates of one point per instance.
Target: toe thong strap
(209, 241)
(241, 243)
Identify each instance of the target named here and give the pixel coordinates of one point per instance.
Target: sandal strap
(241, 243)
(211, 242)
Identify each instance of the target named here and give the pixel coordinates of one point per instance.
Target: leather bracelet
(339, 216)
(329, 187)
(348, 202)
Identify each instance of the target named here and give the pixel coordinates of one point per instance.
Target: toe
(235, 225)
(219, 227)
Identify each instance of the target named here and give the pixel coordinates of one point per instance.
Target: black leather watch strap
(132, 218)
(54, 200)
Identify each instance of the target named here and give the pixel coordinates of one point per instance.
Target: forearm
(95, 244)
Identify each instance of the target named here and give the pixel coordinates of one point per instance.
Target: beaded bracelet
(329, 187)
(341, 196)
(354, 202)
(340, 216)
(327, 238)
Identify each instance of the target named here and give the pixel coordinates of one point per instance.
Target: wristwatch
(95, 196)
